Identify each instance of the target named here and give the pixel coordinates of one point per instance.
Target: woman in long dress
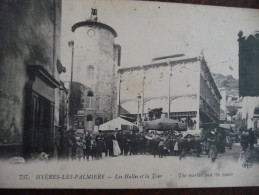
(116, 147)
(176, 148)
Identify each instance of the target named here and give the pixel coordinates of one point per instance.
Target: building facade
(96, 58)
(182, 88)
(29, 81)
(248, 78)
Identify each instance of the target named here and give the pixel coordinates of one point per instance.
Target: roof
(176, 62)
(226, 126)
(93, 23)
(115, 124)
(147, 66)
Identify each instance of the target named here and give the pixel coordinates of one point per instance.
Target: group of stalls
(159, 126)
(164, 126)
(160, 129)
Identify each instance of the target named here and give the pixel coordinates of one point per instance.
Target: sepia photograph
(127, 94)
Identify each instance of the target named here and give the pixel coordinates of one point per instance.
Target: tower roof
(92, 23)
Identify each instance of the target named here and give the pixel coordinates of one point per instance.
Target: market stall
(117, 124)
(164, 124)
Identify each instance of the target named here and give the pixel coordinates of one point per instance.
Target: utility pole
(143, 92)
(138, 99)
(169, 88)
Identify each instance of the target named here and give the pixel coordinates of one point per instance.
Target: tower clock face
(91, 32)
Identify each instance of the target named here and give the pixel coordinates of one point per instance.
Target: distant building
(223, 105)
(227, 103)
(96, 58)
(194, 96)
(29, 82)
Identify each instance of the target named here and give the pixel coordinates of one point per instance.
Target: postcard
(128, 94)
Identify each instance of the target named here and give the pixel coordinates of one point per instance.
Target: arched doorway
(98, 121)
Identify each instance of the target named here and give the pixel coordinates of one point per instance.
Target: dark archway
(98, 121)
(90, 94)
(89, 117)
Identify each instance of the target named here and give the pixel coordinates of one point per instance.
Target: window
(256, 110)
(90, 94)
(89, 117)
(90, 72)
(98, 121)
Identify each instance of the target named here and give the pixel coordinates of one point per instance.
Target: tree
(157, 112)
(75, 103)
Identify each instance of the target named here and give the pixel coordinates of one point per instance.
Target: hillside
(226, 82)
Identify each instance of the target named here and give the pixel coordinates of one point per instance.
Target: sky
(152, 29)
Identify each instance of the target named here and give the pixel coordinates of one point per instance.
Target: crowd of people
(94, 146)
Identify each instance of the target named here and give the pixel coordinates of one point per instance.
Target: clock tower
(96, 58)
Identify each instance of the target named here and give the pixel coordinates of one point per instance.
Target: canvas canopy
(164, 124)
(225, 126)
(192, 133)
(117, 124)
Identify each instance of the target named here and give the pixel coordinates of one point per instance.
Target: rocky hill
(226, 82)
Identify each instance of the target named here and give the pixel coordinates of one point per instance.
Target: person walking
(110, 137)
(71, 143)
(213, 152)
(251, 138)
(57, 148)
(80, 148)
(98, 141)
(244, 140)
(88, 146)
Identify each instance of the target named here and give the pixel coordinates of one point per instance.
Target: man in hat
(251, 138)
(190, 143)
(213, 152)
(197, 145)
(161, 146)
(124, 144)
(71, 143)
(142, 143)
(132, 140)
(109, 138)
(98, 141)
(244, 140)
(88, 145)
(185, 146)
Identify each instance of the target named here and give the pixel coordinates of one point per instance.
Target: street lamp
(139, 97)
(71, 45)
(119, 108)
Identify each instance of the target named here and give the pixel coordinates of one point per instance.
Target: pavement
(137, 171)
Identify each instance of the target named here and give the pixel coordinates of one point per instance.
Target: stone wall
(94, 65)
(30, 31)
